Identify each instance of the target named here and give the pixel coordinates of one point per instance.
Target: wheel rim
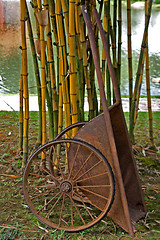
(78, 191)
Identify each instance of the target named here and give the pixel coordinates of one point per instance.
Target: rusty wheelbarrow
(70, 184)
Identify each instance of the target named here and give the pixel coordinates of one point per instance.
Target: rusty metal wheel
(79, 191)
(64, 132)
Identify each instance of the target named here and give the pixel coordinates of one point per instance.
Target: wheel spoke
(39, 176)
(41, 194)
(84, 205)
(96, 194)
(73, 162)
(83, 165)
(71, 212)
(58, 163)
(43, 186)
(46, 171)
(95, 176)
(45, 205)
(96, 186)
(61, 210)
(54, 206)
(88, 170)
(65, 192)
(78, 211)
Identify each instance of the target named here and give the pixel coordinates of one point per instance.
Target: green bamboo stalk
(119, 43)
(148, 89)
(41, 17)
(37, 75)
(79, 63)
(52, 100)
(149, 99)
(131, 127)
(107, 29)
(129, 55)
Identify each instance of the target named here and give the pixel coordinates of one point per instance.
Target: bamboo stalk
(63, 83)
(25, 82)
(149, 99)
(85, 66)
(148, 89)
(21, 111)
(119, 43)
(131, 127)
(129, 54)
(139, 88)
(35, 7)
(37, 75)
(79, 63)
(107, 29)
(52, 98)
(72, 62)
(54, 28)
(41, 18)
(66, 14)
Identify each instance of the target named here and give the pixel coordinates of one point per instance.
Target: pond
(10, 53)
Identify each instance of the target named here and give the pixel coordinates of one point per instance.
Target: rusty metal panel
(94, 133)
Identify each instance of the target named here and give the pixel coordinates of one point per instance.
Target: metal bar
(107, 119)
(110, 66)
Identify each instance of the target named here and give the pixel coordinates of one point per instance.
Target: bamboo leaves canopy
(63, 64)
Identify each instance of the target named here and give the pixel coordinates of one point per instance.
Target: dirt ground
(16, 220)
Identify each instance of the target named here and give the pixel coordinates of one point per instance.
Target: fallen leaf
(151, 197)
(157, 221)
(7, 175)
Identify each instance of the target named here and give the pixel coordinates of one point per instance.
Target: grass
(16, 220)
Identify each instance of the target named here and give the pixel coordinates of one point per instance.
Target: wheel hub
(66, 187)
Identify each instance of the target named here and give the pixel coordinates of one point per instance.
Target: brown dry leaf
(157, 221)
(151, 197)
(7, 175)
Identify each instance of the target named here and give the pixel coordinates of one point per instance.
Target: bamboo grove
(63, 64)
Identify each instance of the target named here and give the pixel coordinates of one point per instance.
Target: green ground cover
(16, 220)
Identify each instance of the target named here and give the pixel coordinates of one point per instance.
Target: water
(10, 53)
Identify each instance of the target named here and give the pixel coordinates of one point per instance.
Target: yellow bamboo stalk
(25, 82)
(72, 63)
(62, 68)
(139, 89)
(21, 111)
(66, 14)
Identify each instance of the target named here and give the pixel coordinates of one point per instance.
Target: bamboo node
(49, 34)
(33, 5)
(73, 114)
(45, 5)
(51, 61)
(55, 44)
(66, 12)
(59, 14)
